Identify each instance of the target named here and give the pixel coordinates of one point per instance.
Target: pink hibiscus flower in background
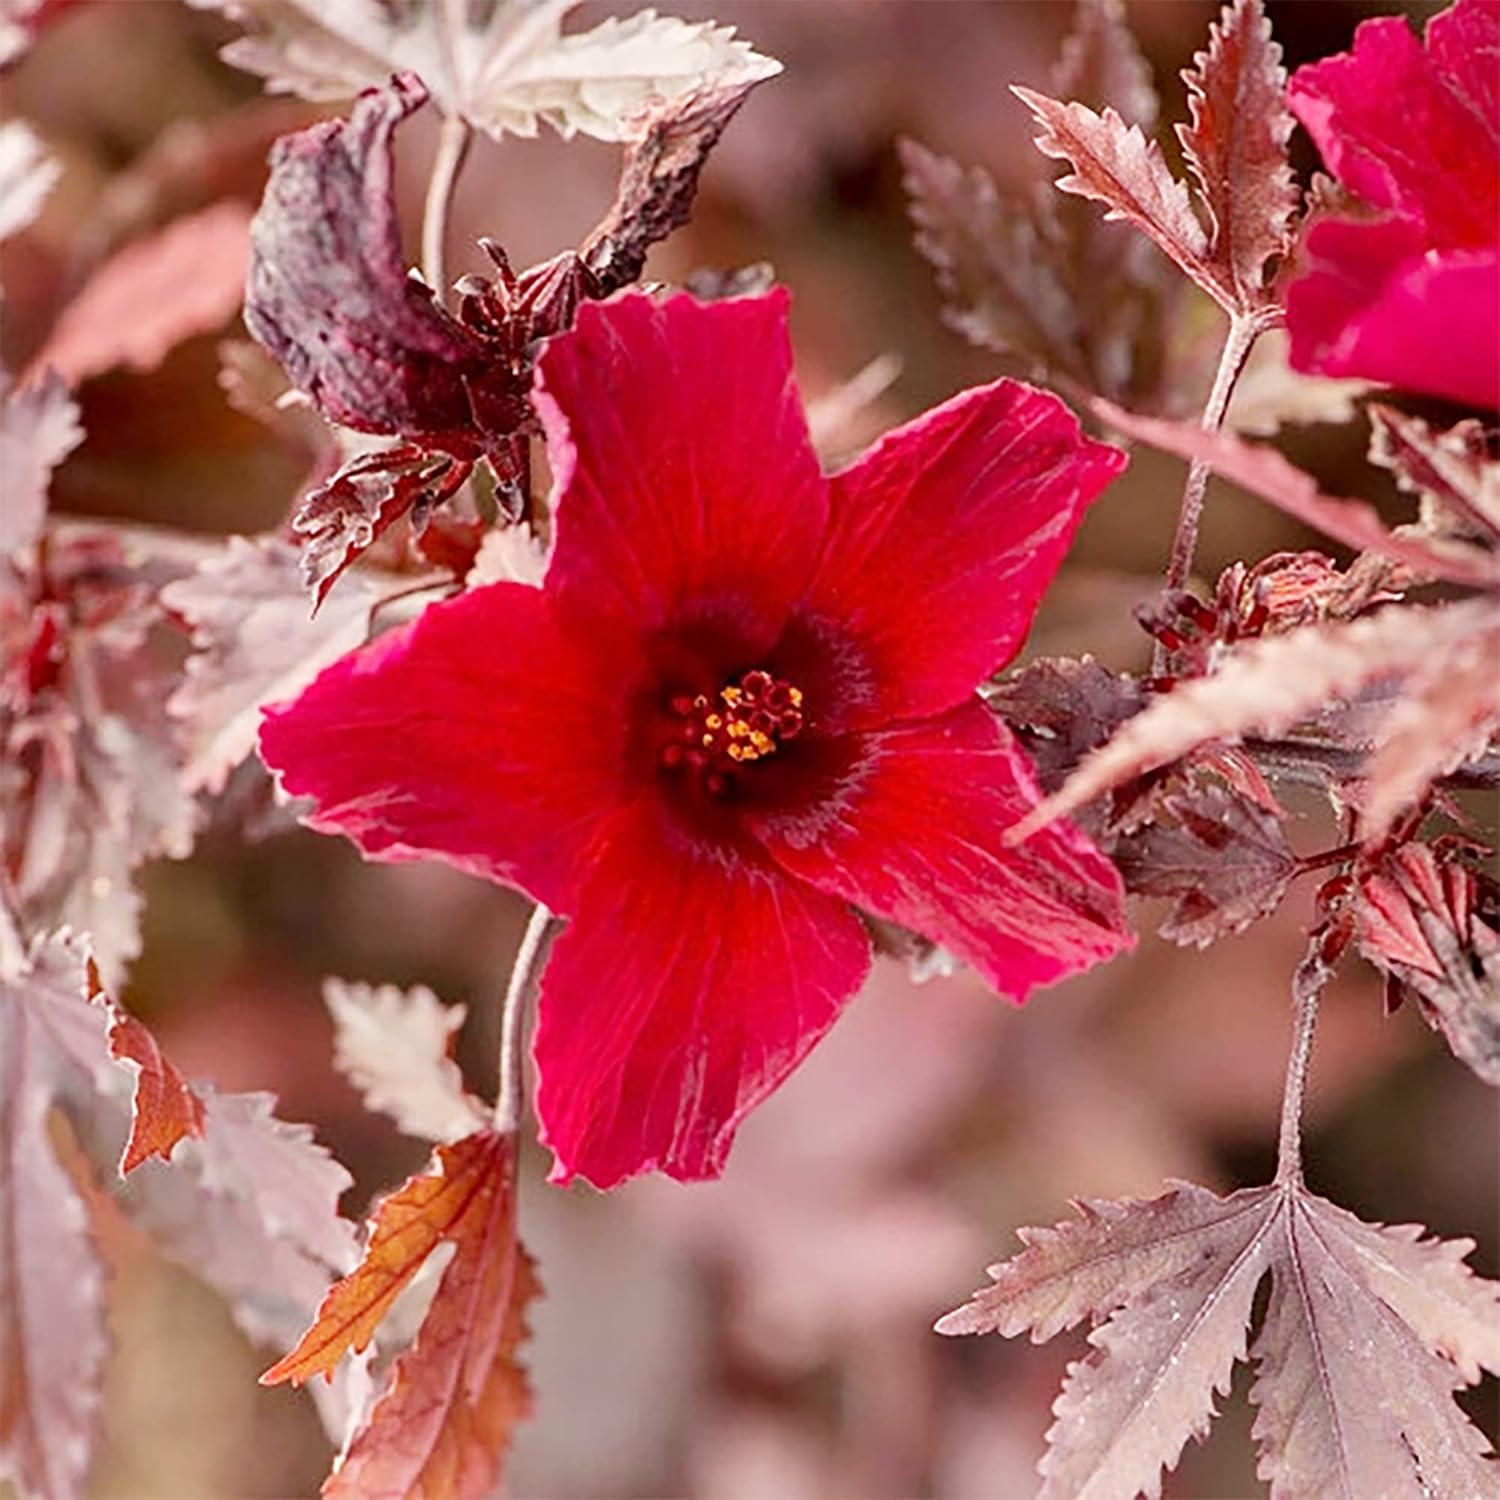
(740, 709)
(1412, 298)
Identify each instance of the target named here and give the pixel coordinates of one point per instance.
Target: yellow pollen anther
(746, 721)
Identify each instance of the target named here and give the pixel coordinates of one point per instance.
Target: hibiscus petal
(688, 483)
(967, 511)
(480, 734)
(1405, 128)
(917, 836)
(1373, 307)
(686, 988)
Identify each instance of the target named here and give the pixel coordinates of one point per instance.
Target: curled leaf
(165, 1109)
(329, 296)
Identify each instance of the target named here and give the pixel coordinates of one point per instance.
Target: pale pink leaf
(503, 67)
(254, 643)
(1116, 165)
(278, 1169)
(1448, 712)
(27, 175)
(394, 1046)
(93, 772)
(1235, 142)
(136, 308)
(38, 429)
(52, 1339)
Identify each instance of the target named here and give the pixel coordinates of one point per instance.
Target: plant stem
(1307, 990)
(523, 975)
(1244, 329)
(453, 147)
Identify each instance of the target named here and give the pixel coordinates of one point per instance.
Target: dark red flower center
(718, 737)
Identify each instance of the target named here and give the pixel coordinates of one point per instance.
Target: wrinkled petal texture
(919, 840)
(682, 993)
(943, 538)
(480, 734)
(1415, 131)
(687, 479)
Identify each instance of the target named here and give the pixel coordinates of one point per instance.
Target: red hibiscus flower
(740, 709)
(1411, 298)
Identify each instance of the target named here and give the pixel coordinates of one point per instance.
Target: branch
(1244, 329)
(523, 976)
(1307, 988)
(453, 147)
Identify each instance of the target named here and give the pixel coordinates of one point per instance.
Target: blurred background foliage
(767, 1337)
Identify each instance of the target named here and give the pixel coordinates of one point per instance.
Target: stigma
(748, 721)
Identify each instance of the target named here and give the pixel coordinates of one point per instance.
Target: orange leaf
(450, 1201)
(165, 1109)
(441, 1429)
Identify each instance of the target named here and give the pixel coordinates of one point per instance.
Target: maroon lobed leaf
(1355, 1400)
(1061, 708)
(999, 286)
(1368, 1333)
(1043, 277)
(1220, 856)
(1235, 142)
